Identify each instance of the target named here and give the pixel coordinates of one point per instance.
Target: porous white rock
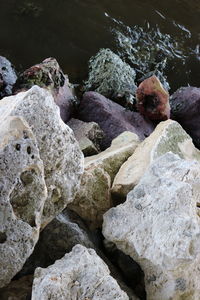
(22, 195)
(59, 150)
(159, 227)
(81, 275)
(94, 198)
(168, 136)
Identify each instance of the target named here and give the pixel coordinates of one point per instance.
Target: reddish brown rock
(112, 117)
(49, 75)
(153, 99)
(185, 109)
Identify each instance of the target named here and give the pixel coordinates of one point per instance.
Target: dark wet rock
(129, 269)
(110, 76)
(18, 289)
(8, 77)
(57, 239)
(88, 134)
(48, 74)
(185, 109)
(153, 100)
(112, 117)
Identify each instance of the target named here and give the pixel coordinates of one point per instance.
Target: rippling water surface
(150, 35)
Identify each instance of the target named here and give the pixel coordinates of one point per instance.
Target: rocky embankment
(99, 185)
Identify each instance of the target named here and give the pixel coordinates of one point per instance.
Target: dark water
(148, 34)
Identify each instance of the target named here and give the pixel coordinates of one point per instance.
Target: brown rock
(153, 99)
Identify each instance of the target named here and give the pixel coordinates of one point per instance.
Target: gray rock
(57, 239)
(159, 227)
(22, 195)
(59, 150)
(81, 274)
(88, 134)
(110, 76)
(8, 77)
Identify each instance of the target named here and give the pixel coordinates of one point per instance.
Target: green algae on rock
(110, 76)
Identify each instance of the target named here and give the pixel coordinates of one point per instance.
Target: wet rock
(112, 118)
(57, 239)
(8, 77)
(18, 289)
(185, 109)
(93, 198)
(159, 227)
(22, 195)
(153, 100)
(111, 77)
(89, 135)
(168, 136)
(81, 274)
(59, 150)
(49, 75)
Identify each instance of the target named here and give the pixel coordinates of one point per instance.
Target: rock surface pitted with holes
(59, 150)
(22, 195)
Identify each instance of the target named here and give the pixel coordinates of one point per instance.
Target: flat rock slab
(159, 227)
(81, 274)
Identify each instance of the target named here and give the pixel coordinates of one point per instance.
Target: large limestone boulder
(22, 195)
(94, 198)
(59, 150)
(81, 274)
(168, 136)
(159, 227)
(112, 117)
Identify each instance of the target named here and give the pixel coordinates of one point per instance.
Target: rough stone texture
(185, 108)
(8, 77)
(168, 136)
(111, 77)
(158, 226)
(49, 75)
(88, 134)
(18, 289)
(93, 198)
(22, 195)
(59, 150)
(153, 99)
(57, 239)
(81, 275)
(112, 117)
